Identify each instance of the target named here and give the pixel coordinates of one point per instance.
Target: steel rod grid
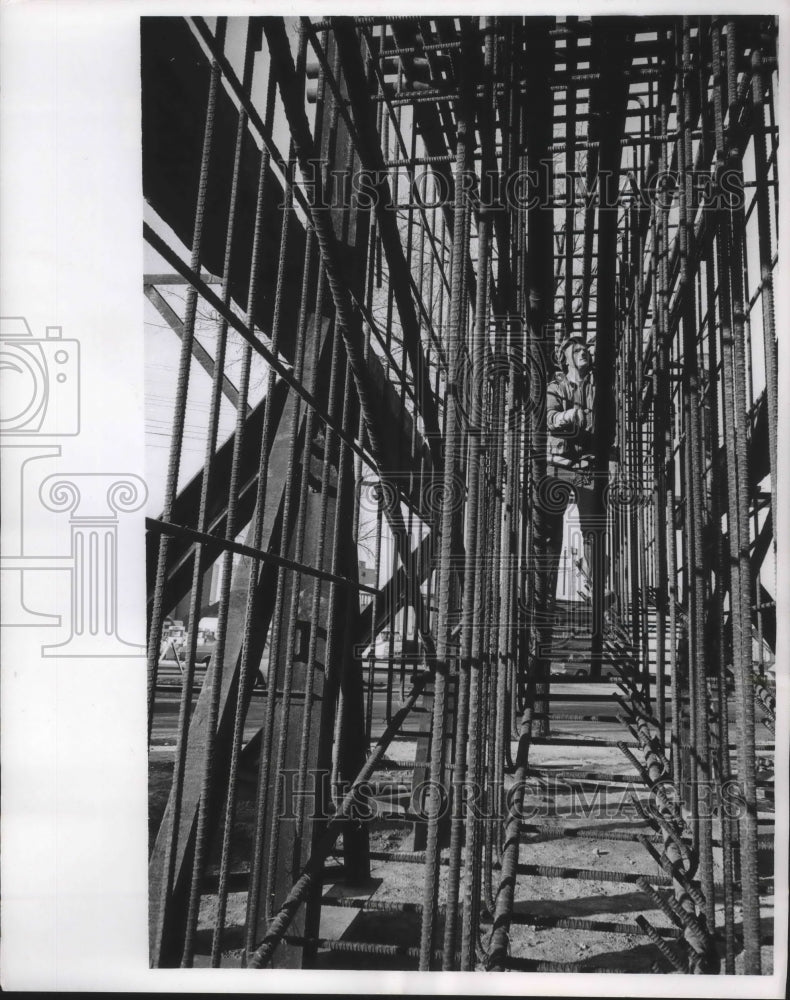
(402, 323)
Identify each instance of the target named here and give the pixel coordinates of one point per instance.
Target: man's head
(573, 355)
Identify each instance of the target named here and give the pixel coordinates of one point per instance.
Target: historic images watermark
(521, 190)
(41, 405)
(535, 797)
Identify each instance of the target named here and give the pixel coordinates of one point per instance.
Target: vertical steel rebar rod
(742, 623)
(213, 676)
(657, 444)
(694, 497)
(719, 474)
(272, 678)
(452, 432)
(234, 485)
(480, 556)
(666, 518)
(291, 520)
(182, 385)
(465, 805)
(766, 267)
(182, 382)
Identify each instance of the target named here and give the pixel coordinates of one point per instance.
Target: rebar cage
(369, 235)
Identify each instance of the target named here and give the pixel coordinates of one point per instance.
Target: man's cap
(565, 343)
(573, 338)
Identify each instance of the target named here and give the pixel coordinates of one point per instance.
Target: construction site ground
(611, 898)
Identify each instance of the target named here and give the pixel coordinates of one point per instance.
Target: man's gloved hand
(571, 419)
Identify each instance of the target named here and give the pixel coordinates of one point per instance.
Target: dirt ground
(613, 898)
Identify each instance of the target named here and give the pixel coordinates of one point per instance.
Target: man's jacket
(570, 445)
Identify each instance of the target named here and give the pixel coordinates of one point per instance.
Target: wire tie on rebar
(694, 933)
(667, 950)
(674, 871)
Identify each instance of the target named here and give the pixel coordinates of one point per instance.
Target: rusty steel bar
(766, 265)
(498, 945)
(260, 506)
(238, 724)
(345, 316)
(314, 866)
(464, 141)
(715, 306)
(247, 332)
(163, 528)
(182, 384)
(701, 773)
(729, 157)
(202, 832)
(473, 611)
(155, 629)
(570, 165)
(288, 623)
(660, 420)
(401, 280)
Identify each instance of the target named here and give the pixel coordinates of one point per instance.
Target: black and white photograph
(461, 388)
(393, 498)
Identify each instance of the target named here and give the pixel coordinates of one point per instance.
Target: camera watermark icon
(41, 381)
(41, 404)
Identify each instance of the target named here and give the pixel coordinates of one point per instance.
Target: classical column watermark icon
(41, 404)
(94, 501)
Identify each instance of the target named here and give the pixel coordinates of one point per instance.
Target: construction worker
(569, 407)
(570, 426)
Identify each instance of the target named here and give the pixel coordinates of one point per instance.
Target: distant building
(367, 575)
